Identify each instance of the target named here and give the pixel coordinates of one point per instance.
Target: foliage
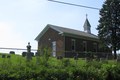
(109, 27)
(16, 68)
(61, 52)
(111, 71)
(65, 62)
(45, 53)
(88, 53)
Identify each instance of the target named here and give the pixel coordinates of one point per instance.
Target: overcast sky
(22, 20)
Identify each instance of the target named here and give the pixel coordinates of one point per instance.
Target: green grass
(14, 58)
(16, 67)
(52, 60)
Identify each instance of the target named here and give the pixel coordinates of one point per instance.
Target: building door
(54, 48)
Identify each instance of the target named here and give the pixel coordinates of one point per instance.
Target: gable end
(44, 30)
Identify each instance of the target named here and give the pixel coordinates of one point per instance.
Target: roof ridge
(68, 31)
(72, 29)
(66, 28)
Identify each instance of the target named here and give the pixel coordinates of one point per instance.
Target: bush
(45, 56)
(65, 69)
(65, 62)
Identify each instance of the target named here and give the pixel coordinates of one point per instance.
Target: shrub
(65, 69)
(45, 56)
(65, 62)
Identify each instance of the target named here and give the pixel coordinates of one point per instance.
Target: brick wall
(53, 36)
(79, 46)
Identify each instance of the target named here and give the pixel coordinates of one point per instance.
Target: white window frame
(85, 45)
(71, 44)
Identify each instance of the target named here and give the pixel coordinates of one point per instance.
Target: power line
(17, 49)
(74, 4)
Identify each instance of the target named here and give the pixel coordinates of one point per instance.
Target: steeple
(87, 26)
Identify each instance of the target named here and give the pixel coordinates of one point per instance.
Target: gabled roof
(87, 24)
(63, 30)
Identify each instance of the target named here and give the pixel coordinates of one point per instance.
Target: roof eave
(80, 36)
(44, 30)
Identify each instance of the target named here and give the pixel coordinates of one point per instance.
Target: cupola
(87, 26)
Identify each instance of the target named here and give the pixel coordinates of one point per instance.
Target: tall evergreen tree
(109, 25)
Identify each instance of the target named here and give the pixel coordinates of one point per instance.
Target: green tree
(109, 25)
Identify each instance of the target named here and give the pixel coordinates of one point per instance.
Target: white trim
(42, 33)
(61, 32)
(45, 29)
(73, 39)
(81, 37)
(87, 29)
(55, 29)
(54, 48)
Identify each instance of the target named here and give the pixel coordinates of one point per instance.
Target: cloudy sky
(22, 20)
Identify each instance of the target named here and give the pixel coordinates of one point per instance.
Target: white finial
(86, 16)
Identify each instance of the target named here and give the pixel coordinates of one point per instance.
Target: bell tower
(87, 26)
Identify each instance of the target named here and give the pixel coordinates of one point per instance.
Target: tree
(109, 25)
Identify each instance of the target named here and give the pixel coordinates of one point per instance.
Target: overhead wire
(74, 4)
(17, 49)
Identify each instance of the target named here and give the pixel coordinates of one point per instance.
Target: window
(95, 47)
(73, 44)
(84, 46)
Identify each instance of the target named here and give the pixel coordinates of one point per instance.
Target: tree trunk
(115, 53)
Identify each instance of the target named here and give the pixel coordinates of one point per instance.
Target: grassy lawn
(14, 58)
(52, 60)
(16, 67)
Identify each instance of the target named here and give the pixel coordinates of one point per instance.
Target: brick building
(65, 39)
